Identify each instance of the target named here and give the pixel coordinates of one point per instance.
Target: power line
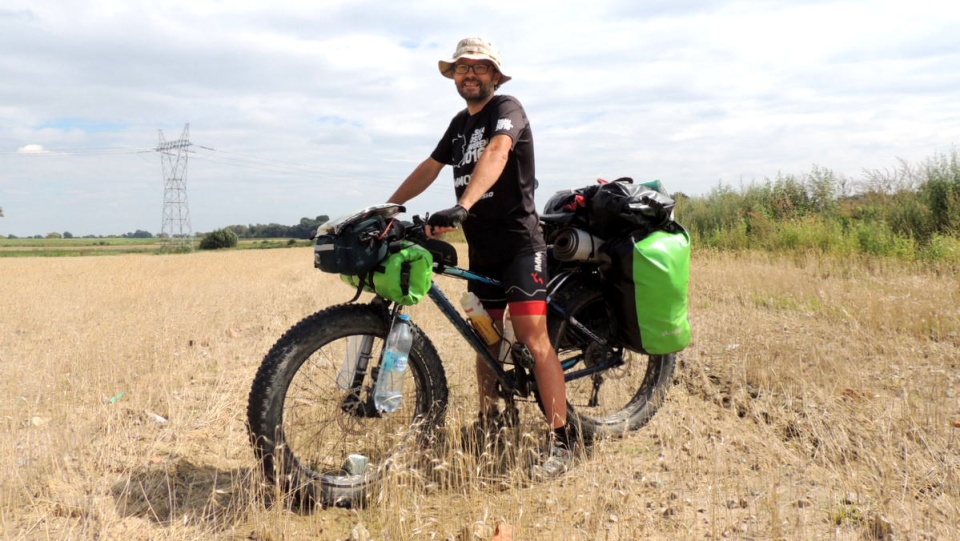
(258, 158)
(239, 160)
(250, 161)
(284, 167)
(270, 164)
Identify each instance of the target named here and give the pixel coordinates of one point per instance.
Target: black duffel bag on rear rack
(610, 209)
(620, 206)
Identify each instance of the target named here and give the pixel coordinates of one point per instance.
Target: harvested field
(819, 401)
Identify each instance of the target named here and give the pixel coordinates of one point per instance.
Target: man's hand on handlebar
(445, 220)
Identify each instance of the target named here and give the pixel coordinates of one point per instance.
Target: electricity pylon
(176, 213)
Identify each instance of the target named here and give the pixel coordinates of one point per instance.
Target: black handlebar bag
(355, 249)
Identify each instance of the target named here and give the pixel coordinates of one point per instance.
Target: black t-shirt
(505, 218)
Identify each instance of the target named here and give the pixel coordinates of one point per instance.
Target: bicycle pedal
(521, 356)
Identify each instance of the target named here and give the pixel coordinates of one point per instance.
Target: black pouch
(356, 249)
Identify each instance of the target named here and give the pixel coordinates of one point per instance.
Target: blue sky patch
(82, 124)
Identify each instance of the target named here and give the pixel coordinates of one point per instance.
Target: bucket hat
(475, 49)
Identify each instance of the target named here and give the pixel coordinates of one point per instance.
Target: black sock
(493, 417)
(562, 436)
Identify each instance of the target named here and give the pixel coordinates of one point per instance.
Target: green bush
(943, 248)
(909, 213)
(806, 234)
(876, 239)
(941, 192)
(221, 238)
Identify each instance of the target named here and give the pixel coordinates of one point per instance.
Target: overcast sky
(298, 109)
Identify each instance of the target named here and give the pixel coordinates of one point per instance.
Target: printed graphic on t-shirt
(474, 148)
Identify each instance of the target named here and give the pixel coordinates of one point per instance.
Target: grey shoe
(558, 461)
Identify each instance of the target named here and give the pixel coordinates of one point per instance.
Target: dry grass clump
(819, 401)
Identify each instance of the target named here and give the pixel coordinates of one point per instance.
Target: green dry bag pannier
(646, 277)
(403, 277)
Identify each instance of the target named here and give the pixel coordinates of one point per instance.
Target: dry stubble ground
(819, 401)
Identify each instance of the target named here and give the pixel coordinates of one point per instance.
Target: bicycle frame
(466, 330)
(511, 386)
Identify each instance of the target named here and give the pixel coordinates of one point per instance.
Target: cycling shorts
(524, 279)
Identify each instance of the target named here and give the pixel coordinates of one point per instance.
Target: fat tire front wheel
(304, 426)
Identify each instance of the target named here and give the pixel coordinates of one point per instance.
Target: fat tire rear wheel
(303, 426)
(615, 401)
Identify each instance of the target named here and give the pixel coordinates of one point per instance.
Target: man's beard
(484, 91)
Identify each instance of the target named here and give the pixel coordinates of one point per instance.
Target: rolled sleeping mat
(572, 244)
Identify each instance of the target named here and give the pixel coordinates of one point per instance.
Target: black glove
(451, 217)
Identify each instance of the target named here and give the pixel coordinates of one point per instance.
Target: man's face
(474, 86)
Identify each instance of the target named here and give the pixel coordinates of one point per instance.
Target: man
(490, 146)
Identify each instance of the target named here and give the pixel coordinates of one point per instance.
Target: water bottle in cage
(388, 394)
(481, 320)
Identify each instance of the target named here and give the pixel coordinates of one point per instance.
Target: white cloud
(315, 107)
(32, 149)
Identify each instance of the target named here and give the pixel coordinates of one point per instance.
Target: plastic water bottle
(356, 345)
(388, 393)
(481, 320)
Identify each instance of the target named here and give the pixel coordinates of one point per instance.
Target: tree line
(303, 230)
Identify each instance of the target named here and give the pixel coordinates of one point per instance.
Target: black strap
(361, 278)
(405, 278)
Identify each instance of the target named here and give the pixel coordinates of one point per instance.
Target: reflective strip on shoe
(557, 463)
